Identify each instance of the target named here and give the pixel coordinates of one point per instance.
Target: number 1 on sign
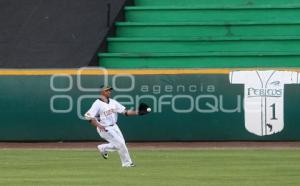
(273, 112)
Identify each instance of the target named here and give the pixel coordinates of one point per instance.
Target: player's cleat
(130, 165)
(103, 153)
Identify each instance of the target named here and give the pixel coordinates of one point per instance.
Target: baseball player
(103, 115)
(263, 99)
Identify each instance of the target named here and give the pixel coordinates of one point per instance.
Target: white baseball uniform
(263, 99)
(107, 115)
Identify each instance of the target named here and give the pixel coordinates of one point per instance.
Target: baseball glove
(143, 109)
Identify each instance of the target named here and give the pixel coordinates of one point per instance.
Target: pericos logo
(262, 92)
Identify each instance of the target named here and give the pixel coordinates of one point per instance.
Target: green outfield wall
(187, 105)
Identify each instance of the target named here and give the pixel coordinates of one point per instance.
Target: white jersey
(263, 99)
(106, 113)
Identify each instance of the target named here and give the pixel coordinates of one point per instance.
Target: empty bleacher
(206, 34)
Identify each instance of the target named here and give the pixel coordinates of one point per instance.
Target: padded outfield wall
(187, 105)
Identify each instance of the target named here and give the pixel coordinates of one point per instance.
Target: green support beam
(197, 29)
(200, 60)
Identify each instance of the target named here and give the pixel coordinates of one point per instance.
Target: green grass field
(216, 167)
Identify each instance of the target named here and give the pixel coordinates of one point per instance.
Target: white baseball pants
(116, 142)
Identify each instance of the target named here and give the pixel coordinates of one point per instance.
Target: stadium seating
(206, 34)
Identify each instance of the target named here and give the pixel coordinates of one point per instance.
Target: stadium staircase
(206, 34)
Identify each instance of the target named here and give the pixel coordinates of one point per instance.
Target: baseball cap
(106, 87)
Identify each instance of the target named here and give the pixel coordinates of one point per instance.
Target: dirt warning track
(153, 145)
